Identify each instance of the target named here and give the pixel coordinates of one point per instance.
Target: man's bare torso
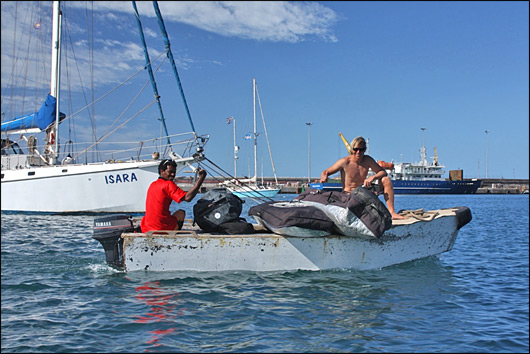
(354, 172)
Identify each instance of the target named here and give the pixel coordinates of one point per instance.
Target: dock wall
(295, 185)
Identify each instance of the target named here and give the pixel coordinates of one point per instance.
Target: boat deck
(189, 228)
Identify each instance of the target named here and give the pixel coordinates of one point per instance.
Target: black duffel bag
(219, 211)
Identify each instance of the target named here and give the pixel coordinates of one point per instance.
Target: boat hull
(257, 193)
(327, 186)
(191, 249)
(92, 188)
(418, 187)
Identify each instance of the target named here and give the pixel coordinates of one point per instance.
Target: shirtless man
(354, 169)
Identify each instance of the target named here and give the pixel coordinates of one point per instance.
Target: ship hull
(436, 187)
(418, 187)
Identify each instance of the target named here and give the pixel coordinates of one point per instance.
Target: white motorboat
(422, 234)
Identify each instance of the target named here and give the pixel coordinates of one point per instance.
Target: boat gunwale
(194, 231)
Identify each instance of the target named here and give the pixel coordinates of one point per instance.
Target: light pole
(229, 120)
(236, 149)
(309, 124)
(487, 131)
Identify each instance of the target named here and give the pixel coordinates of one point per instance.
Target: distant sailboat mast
(251, 187)
(255, 133)
(267, 138)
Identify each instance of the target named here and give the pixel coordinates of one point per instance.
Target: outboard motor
(108, 230)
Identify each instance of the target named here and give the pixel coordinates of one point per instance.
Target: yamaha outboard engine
(108, 230)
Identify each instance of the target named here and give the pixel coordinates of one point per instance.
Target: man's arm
(337, 166)
(195, 189)
(380, 172)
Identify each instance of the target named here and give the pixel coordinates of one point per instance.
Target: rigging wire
(106, 136)
(259, 199)
(150, 71)
(172, 60)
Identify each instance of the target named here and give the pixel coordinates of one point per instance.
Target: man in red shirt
(159, 196)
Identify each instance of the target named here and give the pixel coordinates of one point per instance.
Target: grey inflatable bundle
(320, 213)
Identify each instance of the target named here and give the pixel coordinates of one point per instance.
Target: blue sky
(382, 70)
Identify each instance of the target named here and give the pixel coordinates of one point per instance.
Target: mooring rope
(419, 214)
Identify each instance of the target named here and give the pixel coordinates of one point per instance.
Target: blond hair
(358, 141)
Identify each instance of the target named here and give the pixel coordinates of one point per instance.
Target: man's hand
(195, 189)
(201, 173)
(323, 177)
(368, 182)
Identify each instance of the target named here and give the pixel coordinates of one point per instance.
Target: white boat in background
(249, 187)
(48, 181)
(422, 234)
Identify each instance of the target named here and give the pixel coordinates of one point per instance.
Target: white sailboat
(46, 181)
(249, 187)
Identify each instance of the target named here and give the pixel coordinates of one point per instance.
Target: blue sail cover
(41, 119)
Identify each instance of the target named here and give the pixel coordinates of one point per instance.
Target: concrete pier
(503, 186)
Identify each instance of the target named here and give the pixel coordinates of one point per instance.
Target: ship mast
(422, 150)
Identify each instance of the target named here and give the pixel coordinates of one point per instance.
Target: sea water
(58, 295)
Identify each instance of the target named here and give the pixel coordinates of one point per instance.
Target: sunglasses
(359, 149)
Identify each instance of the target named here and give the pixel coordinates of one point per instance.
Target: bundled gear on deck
(319, 213)
(219, 211)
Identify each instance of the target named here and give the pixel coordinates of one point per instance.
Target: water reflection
(162, 308)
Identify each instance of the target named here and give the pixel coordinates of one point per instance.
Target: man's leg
(388, 191)
(179, 215)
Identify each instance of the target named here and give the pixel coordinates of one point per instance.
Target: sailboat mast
(255, 132)
(56, 74)
(267, 138)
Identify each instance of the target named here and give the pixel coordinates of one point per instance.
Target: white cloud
(275, 21)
